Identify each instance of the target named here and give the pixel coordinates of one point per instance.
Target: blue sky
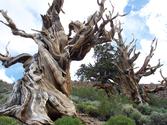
(132, 8)
(135, 5)
(146, 20)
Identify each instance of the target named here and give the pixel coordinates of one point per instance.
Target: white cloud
(133, 24)
(24, 20)
(156, 19)
(4, 77)
(155, 13)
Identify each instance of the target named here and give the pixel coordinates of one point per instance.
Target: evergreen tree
(103, 69)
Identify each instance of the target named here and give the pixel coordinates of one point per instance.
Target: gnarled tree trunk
(42, 94)
(127, 78)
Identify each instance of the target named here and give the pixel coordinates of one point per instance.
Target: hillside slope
(5, 90)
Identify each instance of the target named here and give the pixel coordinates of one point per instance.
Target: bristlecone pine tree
(127, 78)
(102, 70)
(118, 63)
(41, 96)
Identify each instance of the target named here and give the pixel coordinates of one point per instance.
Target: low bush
(120, 120)
(85, 98)
(96, 103)
(145, 109)
(105, 109)
(3, 98)
(134, 114)
(8, 121)
(127, 109)
(89, 107)
(158, 118)
(67, 120)
(158, 102)
(89, 93)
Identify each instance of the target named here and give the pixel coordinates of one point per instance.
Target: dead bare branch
(164, 81)
(159, 87)
(156, 89)
(13, 27)
(147, 59)
(151, 69)
(8, 61)
(4, 58)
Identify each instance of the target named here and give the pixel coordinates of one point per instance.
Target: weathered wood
(41, 96)
(127, 78)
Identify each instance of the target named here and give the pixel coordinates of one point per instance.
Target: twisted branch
(13, 27)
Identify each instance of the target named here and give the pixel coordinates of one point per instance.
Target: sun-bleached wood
(42, 95)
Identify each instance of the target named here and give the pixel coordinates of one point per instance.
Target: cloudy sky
(147, 19)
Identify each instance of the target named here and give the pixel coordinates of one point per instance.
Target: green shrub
(66, 120)
(89, 107)
(105, 109)
(144, 120)
(158, 118)
(148, 109)
(120, 120)
(157, 101)
(145, 109)
(134, 114)
(89, 93)
(139, 118)
(111, 106)
(160, 110)
(8, 121)
(127, 109)
(3, 98)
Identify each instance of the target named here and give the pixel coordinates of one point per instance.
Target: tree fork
(41, 96)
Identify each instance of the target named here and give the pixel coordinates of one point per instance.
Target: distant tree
(116, 61)
(103, 69)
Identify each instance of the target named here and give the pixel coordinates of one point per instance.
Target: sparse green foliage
(127, 109)
(5, 90)
(89, 93)
(120, 120)
(96, 103)
(134, 114)
(145, 109)
(158, 118)
(8, 121)
(105, 109)
(103, 69)
(66, 120)
(88, 107)
(157, 101)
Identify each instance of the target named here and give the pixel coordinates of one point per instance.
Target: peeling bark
(127, 78)
(41, 96)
